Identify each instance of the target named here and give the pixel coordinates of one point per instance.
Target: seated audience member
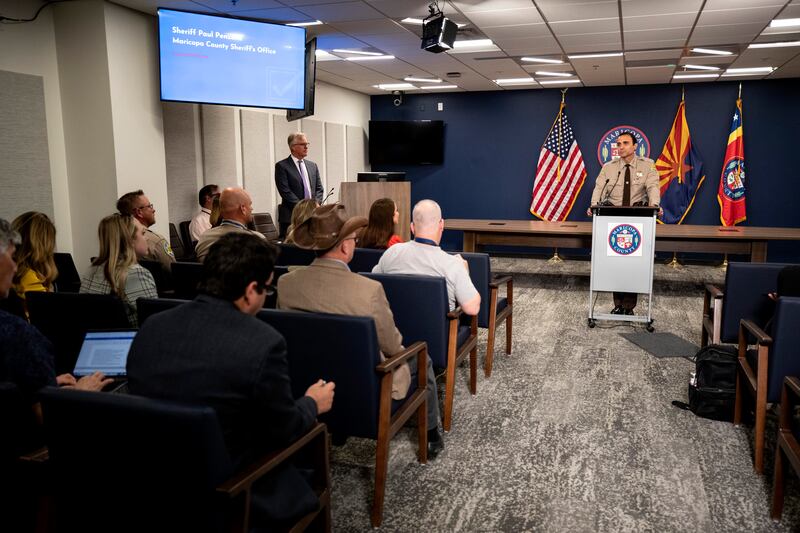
(216, 217)
(139, 207)
(300, 214)
(328, 286)
(36, 268)
(116, 270)
(26, 356)
(236, 209)
(379, 234)
(213, 351)
(423, 256)
(202, 220)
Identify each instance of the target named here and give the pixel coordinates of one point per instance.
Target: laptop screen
(104, 351)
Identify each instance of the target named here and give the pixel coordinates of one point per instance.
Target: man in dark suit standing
(213, 351)
(296, 179)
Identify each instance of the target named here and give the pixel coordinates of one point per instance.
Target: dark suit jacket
(290, 186)
(208, 352)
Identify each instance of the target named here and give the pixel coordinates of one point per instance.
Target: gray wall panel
(334, 157)
(219, 144)
(314, 133)
(24, 154)
(255, 160)
(180, 149)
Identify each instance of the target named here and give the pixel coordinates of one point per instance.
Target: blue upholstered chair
(147, 307)
(364, 259)
(494, 308)
(290, 255)
(65, 317)
(344, 349)
(761, 371)
(68, 279)
(421, 312)
(744, 297)
(788, 441)
(185, 278)
(140, 464)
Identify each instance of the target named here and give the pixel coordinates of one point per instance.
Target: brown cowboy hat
(327, 226)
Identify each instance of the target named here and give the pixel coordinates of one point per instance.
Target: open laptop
(107, 352)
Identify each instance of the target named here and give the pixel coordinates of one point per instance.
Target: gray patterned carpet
(574, 431)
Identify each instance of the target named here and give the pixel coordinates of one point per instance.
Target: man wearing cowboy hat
(328, 286)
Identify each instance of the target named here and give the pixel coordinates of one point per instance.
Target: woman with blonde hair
(379, 233)
(301, 212)
(116, 269)
(215, 218)
(36, 268)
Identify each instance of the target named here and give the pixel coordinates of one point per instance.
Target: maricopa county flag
(731, 193)
(560, 172)
(680, 170)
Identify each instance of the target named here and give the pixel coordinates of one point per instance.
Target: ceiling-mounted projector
(438, 33)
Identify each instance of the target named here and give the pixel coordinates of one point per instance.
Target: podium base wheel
(650, 328)
(592, 323)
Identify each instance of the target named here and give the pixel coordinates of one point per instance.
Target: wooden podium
(358, 197)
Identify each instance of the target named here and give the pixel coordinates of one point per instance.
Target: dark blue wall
(492, 143)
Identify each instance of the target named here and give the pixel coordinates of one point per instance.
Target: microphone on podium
(330, 193)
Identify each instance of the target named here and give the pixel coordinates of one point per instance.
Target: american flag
(560, 173)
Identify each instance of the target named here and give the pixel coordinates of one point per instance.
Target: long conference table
(740, 240)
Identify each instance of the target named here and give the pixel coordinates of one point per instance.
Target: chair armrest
(761, 337)
(455, 313)
(243, 480)
(395, 360)
(713, 291)
(499, 280)
(789, 396)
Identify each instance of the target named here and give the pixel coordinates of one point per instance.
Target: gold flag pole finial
(564, 94)
(683, 94)
(740, 90)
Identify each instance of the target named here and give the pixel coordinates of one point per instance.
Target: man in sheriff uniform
(139, 207)
(628, 180)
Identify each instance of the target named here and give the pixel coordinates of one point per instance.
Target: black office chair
(186, 236)
(68, 279)
(185, 279)
(163, 278)
(176, 242)
(265, 226)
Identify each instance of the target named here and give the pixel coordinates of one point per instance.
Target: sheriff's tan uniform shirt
(644, 182)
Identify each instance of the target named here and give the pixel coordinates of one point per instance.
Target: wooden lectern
(358, 197)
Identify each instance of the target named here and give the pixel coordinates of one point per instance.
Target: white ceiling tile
(283, 14)
(343, 11)
(338, 40)
(22, 8)
(369, 27)
(657, 22)
(656, 35)
(659, 7)
(530, 46)
(763, 57)
(585, 27)
(791, 11)
(564, 67)
(725, 34)
(401, 10)
(390, 42)
(601, 71)
(519, 31)
(559, 10)
(647, 45)
(645, 55)
(712, 5)
(737, 16)
(790, 70)
(505, 17)
(604, 42)
(241, 5)
(714, 61)
(642, 75)
(307, 2)
(469, 6)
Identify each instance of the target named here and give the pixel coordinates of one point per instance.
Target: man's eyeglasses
(302, 144)
(148, 206)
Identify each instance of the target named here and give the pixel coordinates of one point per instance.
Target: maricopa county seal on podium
(607, 147)
(624, 239)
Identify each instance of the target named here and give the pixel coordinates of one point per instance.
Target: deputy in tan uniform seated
(629, 180)
(137, 205)
(236, 210)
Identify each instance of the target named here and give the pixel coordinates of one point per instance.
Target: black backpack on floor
(712, 393)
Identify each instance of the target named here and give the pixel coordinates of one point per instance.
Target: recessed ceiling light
(712, 52)
(515, 81)
(750, 70)
(739, 74)
(558, 82)
(555, 74)
(394, 86)
(423, 80)
(357, 52)
(700, 67)
(367, 58)
(474, 43)
(782, 23)
(418, 22)
(693, 76)
(303, 24)
(784, 44)
(541, 60)
(440, 87)
(592, 56)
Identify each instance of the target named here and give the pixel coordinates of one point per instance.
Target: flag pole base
(556, 258)
(674, 263)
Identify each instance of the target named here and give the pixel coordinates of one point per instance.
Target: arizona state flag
(731, 191)
(680, 171)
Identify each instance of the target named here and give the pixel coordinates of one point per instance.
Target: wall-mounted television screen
(311, 77)
(406, 142)
(218, 60)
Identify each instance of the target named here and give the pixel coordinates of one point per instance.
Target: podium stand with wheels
(623, 244)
